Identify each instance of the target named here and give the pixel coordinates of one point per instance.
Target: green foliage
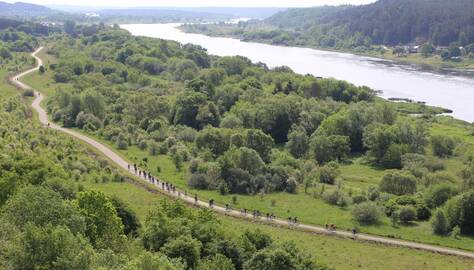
(149, 260)
(460, 212)
(437, 195)
(328, 173)
(439, 223)
(329, 148)
(442, 146)
(130, 221)
(284, 257)
(48, 247)
(398, 183)
(184, 247)
(41, 206)
(103, 227)
(366, 213)
(298, 143)
(407, 214)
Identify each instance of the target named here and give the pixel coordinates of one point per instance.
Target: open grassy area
(44, 81)
(333, 251)
(20, 61)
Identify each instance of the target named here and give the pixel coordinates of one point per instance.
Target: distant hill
(389, 22)
(154, 15)
(23, 10)
(175, 14)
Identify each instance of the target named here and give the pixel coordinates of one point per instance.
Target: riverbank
(417, 61)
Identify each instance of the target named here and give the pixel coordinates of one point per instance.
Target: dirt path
(43, 117)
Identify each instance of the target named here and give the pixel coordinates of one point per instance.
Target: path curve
(43, 117)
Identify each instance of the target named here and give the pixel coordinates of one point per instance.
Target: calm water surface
(452, 92)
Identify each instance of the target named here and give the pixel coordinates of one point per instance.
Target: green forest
(437, 29)
(271, 140)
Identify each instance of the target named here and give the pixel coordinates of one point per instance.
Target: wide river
(452, 92)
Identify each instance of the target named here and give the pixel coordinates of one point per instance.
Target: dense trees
(383, 22)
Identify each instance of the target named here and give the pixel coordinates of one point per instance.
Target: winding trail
(119, 161)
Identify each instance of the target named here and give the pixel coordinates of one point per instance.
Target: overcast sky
(196, 3)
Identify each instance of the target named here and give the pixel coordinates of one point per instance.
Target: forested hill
(23, 10)
(389, 22)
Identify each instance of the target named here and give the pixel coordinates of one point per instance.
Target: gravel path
(43, 117)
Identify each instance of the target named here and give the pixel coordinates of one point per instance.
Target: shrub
(335, 197)
(357, 199)
(439, 223)
(142, 145)
(366, 213)
(328, 173)
(437, 195)
(460, 212)
(153, 148)
(198, 181)
(291, 185)
(122, 144)
(442, 146)
(29, 93)
(434, 164)
(88, 121)
(422, 211)
(407, 214)
(398, 183)
(373, 194)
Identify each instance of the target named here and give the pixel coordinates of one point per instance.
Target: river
(447, 91)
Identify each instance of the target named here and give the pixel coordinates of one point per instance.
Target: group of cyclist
(147, 176)
(256, 214)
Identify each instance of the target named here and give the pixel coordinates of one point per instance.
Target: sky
(195, 3)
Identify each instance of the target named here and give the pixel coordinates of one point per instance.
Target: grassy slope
(306, 207)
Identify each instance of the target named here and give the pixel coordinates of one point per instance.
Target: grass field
(19, 62)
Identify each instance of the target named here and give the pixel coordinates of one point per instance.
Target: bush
(143, 145)
(422, 211)
(335, 197)
(198, 181)
(460, 212)
(29, 93)
(407, 214)
(434, 164)
(291, 185)
(122, 144)
(437, 195)
(328, 173)
(153, 148)
(439, 223)
(442, 146)
(88, 121)
(359, 199)
(366, 213)
(398, 183)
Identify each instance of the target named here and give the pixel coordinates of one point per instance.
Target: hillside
(389, 22)
(23, 10)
